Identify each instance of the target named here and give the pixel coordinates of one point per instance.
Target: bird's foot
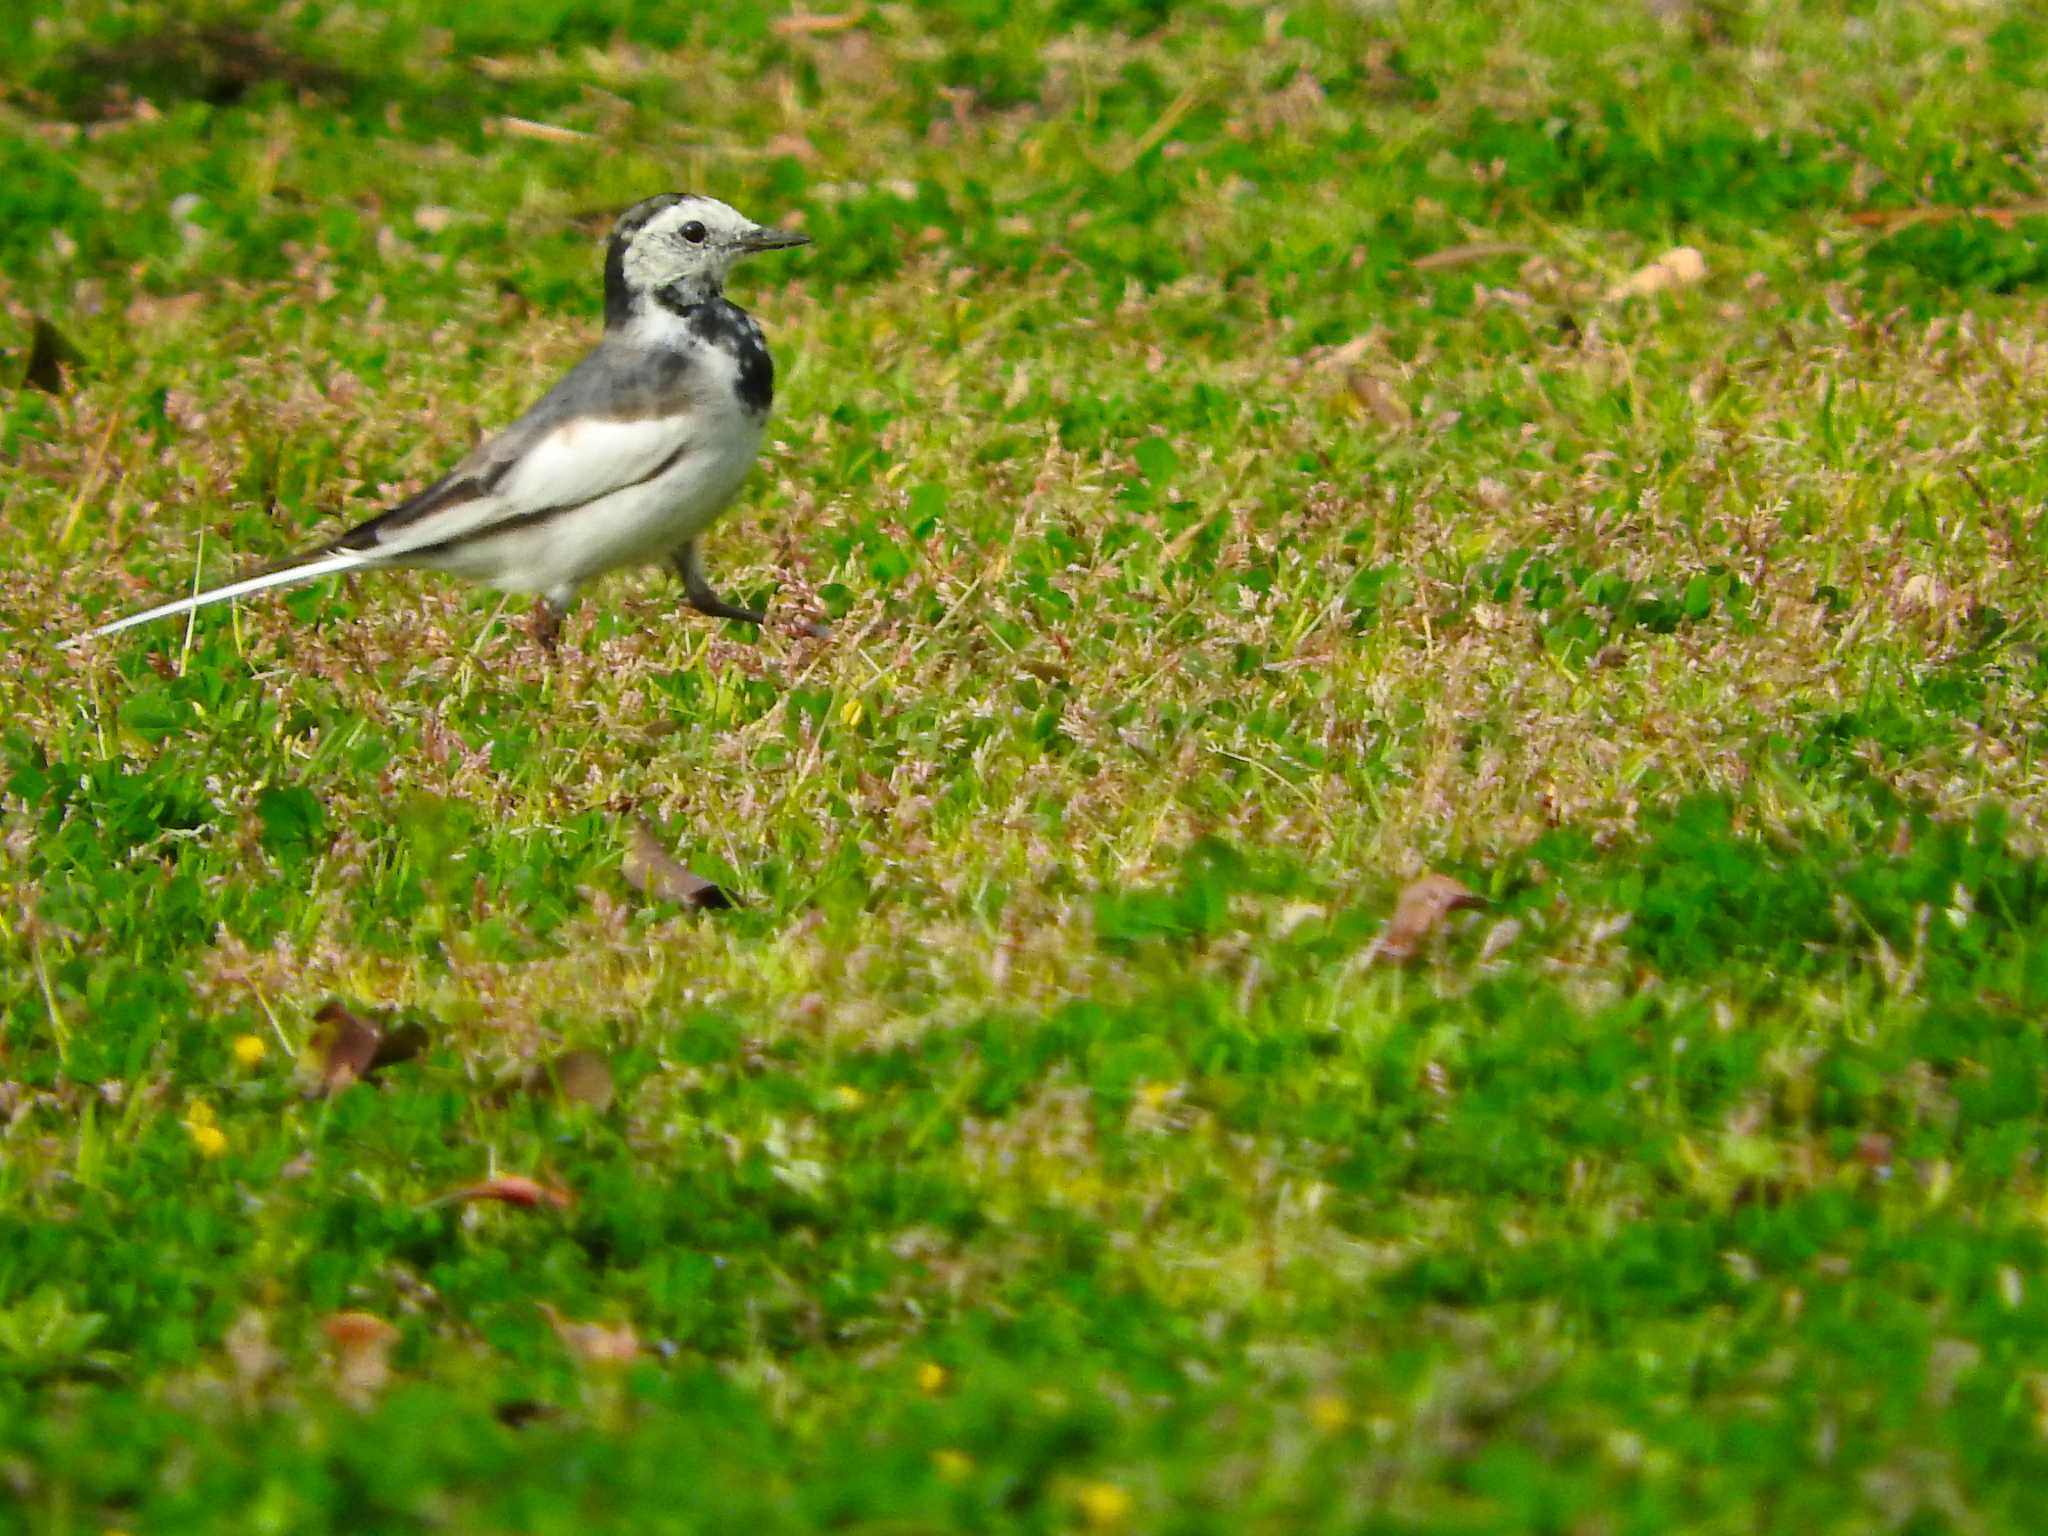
(689, 564)
(704, 600)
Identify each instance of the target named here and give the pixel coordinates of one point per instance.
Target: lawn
(1250, 460)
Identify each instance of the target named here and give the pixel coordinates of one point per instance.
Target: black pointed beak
(762, 238)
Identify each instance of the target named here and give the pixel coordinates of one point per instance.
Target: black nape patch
(618, 302)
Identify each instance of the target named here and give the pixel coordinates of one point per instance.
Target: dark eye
(694, 232)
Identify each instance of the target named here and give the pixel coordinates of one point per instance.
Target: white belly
(636, 525)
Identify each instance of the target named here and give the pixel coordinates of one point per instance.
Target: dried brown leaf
(348, 1046)
(344, 1047)
(1373, 393)
(400, 1044)
(803, 24)
(1889, 219)
(1423, 905)
(1678, 268)
(653, 871)
(358, 1330)
(581, 1077)
(547, 133)
(1465, 255)
(511, 1189)
(50, 352)
(362, 1352)
(594, 1343)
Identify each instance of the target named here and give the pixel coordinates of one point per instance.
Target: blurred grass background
(1241, 478)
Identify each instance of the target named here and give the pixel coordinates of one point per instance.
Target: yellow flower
(1328, 1412)
(850, 712)
(849, 1097)
(1103, 1505)
(249, 1050)
(952, 1465)
(211, 1140)
(931, 1378)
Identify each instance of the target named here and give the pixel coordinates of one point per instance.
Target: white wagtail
(626, 461)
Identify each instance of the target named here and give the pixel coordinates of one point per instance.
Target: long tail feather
(290, 575)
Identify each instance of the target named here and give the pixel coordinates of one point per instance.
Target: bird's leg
(689, 565)
(546, 623)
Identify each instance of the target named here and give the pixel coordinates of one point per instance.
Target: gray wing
(620, 416)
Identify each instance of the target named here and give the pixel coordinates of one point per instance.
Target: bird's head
(680, 246)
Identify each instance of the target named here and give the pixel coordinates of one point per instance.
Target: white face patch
(662, 252)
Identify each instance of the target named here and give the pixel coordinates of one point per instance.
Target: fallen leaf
(1372, 392)
(1423, 904)
(511, 1189)
(344, 1047)
(805, 25)
(400, 1044)
(358, 1330)
(581, 1077)
(362, 1352)
(594, 1343)
(547, 133)
(1889, 219)
(1344, 354)
(349, 1046)
(50, 352)
(1464, 255)
(654, 872)
(1676, 268)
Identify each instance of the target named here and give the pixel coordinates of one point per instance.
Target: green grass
(1041, 1144)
